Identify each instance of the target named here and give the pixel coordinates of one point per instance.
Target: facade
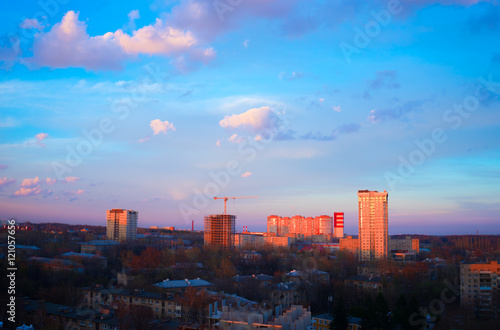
(219, 230)
(479, 285)
(121, 225)
(350, 244)
(404, 244)
(179, 286)
(255, 241)
(299, 225)
(369, 283)
(323, 322)
(338, 224)
(373, 225)
(97, 246)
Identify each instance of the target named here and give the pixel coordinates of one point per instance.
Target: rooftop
(179, 284)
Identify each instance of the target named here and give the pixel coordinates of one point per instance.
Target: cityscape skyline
(159, 106)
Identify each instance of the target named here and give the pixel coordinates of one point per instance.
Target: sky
(158, 106)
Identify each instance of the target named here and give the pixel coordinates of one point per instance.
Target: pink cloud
(235, 138)
(217, 143)
(68, 44)
(159, 126)
(28, 191)
(31, 23)
(6, 182)
(50, 181)
(252, 120)
(147, 138)
(40, 137)
(71, 179)
(30, 182)
(246, 174)
(3, 166)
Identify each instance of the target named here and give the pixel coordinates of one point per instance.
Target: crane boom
(225, 198)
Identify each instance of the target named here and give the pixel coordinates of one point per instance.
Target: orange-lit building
(299, 225)
(121, 224)
(219, 230)
(338, 224)
(350, 244)
(479, 285)
(373, 225)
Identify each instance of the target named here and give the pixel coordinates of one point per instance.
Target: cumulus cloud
(30, 182)
(68, 44)
(40, 137)
(132, 16)
(159, 126)
(28, 191)
(253, 120)
(246, 174)
(383, 79)
(4, 182)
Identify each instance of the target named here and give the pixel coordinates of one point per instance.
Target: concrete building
(299, 225)
(179, 286)
(350, 244)
(323, 322)
(479, 283)
(121, 224)
(219, 230)
(256, 241)
(404, 244)
(373, 225)
(338, 224)
(96, 246)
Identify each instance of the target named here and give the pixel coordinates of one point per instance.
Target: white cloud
(40, 137)
(28, 191)
(31, 23)
(245, 43)
(236, 139)
(71, 179)
(246, 174)
(159, 126)
(253, 120)
(336, 108)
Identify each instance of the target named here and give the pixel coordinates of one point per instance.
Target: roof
(131, 293)
(300, 273)
(287, 286)
(325, 316)
(82, 255)
(55, 262)
(260, 277)
(101, 242)
(178, 284)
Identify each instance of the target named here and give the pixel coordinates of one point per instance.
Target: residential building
(179, 286)
(288, 294)
(323, 321)
(370, 283)
(97, 246)
(313, 276)
(338, 224)
(299, 225)
(349, 244)
(373, 225)
(56, 264)
(219, 230)
(121, 224)
(404, 244)
(479, 284)
(86, 259)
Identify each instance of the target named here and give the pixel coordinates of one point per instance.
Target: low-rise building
(314, 276)
(56, 264)
(288, 294)
(98, 246)
(179, 286)
(349, 244)
(371, 283)
(323, 322)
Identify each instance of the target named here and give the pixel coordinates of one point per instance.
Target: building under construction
(219, 230)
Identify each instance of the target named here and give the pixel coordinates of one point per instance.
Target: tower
(121, 224)
(373, 225)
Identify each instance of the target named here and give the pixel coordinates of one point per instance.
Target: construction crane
(226, 198)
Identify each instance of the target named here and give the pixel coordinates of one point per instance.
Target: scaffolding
(220, 230)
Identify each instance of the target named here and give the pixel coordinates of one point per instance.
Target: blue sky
(158, 106)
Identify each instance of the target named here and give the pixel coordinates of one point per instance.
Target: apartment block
(373, 225)
(121, 224)
(479, 283)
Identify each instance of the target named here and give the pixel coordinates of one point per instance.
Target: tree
(141, 316)
(339, 313)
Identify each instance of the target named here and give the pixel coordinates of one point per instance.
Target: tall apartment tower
(338, 224)
(219, 230)
(373, 225)
(121, 225)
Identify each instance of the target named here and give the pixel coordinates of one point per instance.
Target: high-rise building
(121, 224)
(219, 230)
(338, 224)
(479, 286)
(373, 225)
